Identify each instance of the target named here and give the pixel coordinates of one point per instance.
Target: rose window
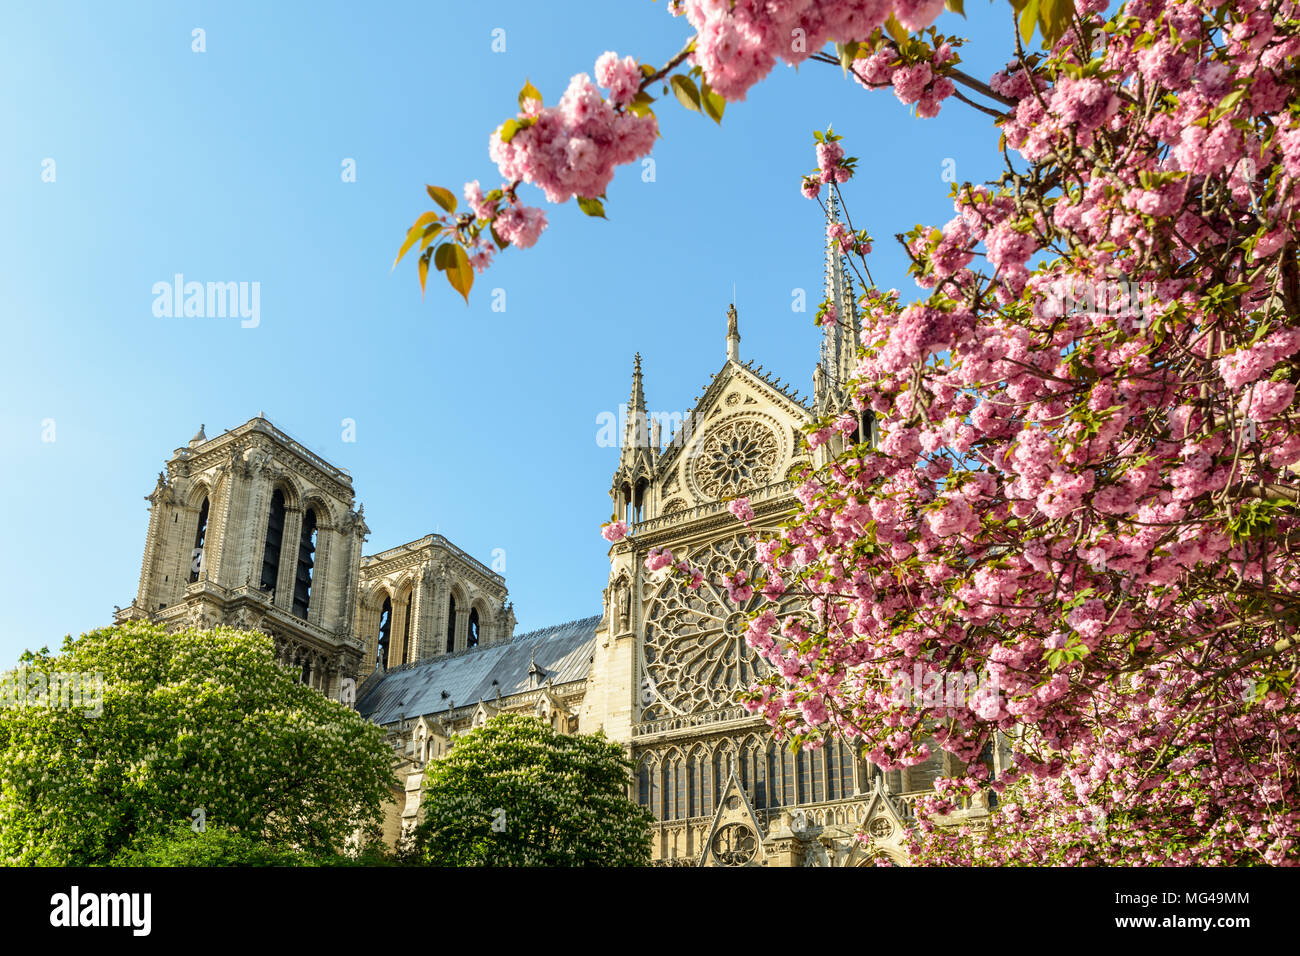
(734, 845)
(736, 457)
(695, 656)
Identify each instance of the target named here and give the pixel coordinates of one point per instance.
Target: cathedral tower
(252, 530)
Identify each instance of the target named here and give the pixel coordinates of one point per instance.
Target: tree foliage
(194, 724)
(517, 793)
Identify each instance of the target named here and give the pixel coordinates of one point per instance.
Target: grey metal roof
(563, 651)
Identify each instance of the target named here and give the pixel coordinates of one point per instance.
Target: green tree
(182, 845)
(517, 793)
(192, 724)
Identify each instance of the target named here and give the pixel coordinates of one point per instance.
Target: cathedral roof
(561, 653)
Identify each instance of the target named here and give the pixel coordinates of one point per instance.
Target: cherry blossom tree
(1084, 481)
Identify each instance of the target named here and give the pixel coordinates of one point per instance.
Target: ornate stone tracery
(694, 656)
(738, 455)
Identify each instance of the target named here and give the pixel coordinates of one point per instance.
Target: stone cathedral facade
(251, 529)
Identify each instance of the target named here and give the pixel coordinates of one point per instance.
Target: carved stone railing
(664, 725)
(766, 493)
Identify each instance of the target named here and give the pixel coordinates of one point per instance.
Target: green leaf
(443, 197)
(896, 29)
(460, 274)
(640, 104)
(1028, 20)
(846, 52)
(592, 207)
(424, 270)
(501, 243)
(712, 102)
(955, 6)
(431, 232)
(508, 130)
(529, 92)
(1054, 19)
(413, 235)
(686, 92)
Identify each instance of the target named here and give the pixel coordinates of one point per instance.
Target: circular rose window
(734, 845)
(736, 457)
(695, 656)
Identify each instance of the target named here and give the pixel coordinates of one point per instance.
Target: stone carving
(734, 845)
(695, 654)
(735, 457)
(624, 598)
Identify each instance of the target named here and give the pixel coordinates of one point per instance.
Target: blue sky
(226, 166)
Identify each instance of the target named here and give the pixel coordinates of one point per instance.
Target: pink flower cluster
(572, 149)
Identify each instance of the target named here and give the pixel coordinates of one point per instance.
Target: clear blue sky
(225, 166)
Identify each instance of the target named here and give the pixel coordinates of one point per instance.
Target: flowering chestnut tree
(514, 792)
(1084, 482)
(198, 728)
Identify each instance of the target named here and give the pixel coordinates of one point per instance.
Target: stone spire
(199, 437)
(637, 443)
(733, 334)
(840, 339)
(636, 432)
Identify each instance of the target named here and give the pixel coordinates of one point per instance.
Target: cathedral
(253, 530)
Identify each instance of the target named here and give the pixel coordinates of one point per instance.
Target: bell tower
(252, 530)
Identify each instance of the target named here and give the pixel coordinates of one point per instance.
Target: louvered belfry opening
(385, 631)
(306, 560)
(451, 624)
(274, 539)
(196, 557)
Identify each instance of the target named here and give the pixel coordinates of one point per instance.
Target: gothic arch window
(754, 767)
(629, 514)
(306, 561)
(817, 761)
(385, 631)
(638, 499)
(406, 624)
(274, 538)
(451, 623)
(196, 556)
(698, 768)
(648, 787)
(834, 768)
(473, 628)
(680, 788)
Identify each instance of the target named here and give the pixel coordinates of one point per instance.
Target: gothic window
(804, 773)
(473, 628)
(274, 538)
(816, 760)
(196, 556)
(695, 654)
(706, 794)
(847, 760)
(638, 499)
(306, 551)
(834, 761)
(774, 762)
(679, 782)
(451, 623)
(406, 624)
(385, 631)
(757, 762)
(643, 775)
(735, 457)
(625, 493)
